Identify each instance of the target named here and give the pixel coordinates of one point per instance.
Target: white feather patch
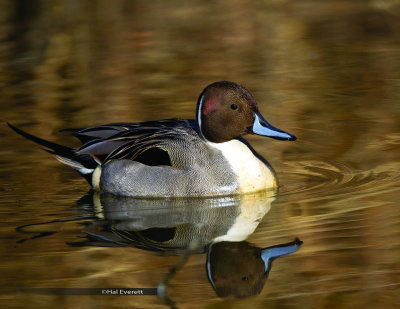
(252, 174)
(96, 178)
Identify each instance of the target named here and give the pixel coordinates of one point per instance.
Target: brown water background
(326, 71)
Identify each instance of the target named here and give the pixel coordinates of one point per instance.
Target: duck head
(226, 110)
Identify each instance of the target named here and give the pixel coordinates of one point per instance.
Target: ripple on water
(349, 221)
(322, 179)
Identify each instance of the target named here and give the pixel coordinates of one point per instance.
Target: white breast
(252, 174)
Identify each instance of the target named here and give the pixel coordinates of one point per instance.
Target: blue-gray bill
(262, 127)
(271, 253)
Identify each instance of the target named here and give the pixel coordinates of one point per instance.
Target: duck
(206, 156)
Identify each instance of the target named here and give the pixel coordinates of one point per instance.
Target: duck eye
(234, 106)
(245, 278)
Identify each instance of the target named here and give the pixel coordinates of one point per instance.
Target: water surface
(327, 72)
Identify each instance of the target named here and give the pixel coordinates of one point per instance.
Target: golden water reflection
(327, 71)
(215, 226)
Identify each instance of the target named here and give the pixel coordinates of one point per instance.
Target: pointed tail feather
(83, 163)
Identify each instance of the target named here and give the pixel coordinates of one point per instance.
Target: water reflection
(217, 227)
(170, 225)
(240, 269)
(330, 70)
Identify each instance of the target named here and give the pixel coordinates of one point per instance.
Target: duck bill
(262, 127)
(271, 253)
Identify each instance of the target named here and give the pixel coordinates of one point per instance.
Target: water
(327, 72)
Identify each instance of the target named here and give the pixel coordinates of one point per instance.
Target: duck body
(177, 157)
(181, 163)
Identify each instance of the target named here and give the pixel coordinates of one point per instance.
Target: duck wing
(103, 131)
(151, 143)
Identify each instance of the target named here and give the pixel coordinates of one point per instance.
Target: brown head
(227, 110)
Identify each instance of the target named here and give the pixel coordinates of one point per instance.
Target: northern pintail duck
(177, 157)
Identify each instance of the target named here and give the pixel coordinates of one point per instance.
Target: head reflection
(240, 269)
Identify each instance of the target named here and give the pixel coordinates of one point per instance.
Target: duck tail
(83, 163)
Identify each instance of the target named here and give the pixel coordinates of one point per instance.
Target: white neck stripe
(199, 117)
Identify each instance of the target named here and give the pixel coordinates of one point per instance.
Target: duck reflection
(171, 225)
(217, 227)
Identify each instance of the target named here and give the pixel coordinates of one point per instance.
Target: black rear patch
(153, 157)
(159, 234)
